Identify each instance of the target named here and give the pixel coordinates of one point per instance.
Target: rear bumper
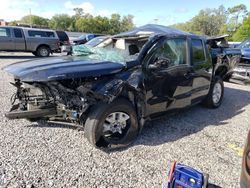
(31, 114)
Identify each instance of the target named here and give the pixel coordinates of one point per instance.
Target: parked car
(245, 172)
(228, 57)
(41, 42)
(234, 44)
(85, 38)
(241, 73)
(245, 47)
(73, 36)
(63, 38)
(112, 91)
(96, 41)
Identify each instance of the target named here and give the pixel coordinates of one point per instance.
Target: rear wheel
(216, 92)
(43, 51)
(111, 125)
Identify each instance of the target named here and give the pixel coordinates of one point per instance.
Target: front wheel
(216, 93)
(112, 125)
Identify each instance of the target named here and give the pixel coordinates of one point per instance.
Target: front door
(167, 78)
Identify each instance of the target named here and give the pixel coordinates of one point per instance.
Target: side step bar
(18, 114)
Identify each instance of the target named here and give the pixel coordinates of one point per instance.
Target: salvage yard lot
(59, 156)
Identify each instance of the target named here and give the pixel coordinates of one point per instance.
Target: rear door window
(34, 33)
(18, 33)
(50, 34)
(5, 32)
(198, 55)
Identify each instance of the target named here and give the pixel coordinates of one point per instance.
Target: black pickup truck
(134, 77)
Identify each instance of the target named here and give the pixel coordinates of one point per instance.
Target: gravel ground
(211, 141)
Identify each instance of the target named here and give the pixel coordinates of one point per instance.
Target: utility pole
(30, 19)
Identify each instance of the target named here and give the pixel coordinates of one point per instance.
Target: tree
(13, 23)
(243, 31)
(127, 23)
(34, 20)
(103, 25)
(207, 22)
(115, 23)
(84, 24)
(60, 22)
(78, 12)
(236, 12)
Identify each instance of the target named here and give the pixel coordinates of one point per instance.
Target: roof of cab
(28, 28)
(152, 29)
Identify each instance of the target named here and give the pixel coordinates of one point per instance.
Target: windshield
(82, 37)
(245, 44)
(103, 54)
(112, 49)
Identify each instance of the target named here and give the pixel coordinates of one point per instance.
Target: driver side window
(173, 50)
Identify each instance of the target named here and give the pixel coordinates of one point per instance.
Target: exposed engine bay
(66, 100)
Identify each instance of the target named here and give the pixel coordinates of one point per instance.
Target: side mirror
(161, 63)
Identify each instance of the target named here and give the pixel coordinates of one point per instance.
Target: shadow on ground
(173, 127)
(194, 119)
(22, 57)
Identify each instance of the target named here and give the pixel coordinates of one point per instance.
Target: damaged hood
(59, 68)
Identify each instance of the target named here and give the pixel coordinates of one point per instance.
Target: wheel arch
(136, 99)
(222, 71)
(40, 45)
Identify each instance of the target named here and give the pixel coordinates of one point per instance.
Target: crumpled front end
(66, 101)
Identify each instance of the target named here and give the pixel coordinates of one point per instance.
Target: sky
(164, 12)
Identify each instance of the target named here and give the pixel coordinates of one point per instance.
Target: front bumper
(15, 113)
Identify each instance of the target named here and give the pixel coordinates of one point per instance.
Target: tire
(215, 97)
(43, 51)
(100, 135)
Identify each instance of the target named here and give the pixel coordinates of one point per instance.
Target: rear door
(6, 40)
(19, 39)
(201, 64)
